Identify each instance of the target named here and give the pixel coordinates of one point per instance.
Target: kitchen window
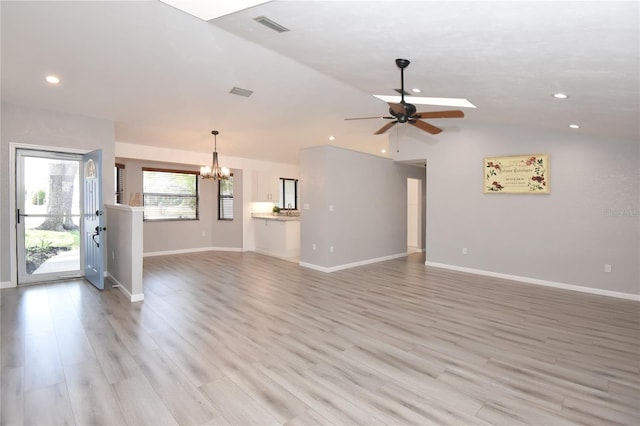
(288, 194)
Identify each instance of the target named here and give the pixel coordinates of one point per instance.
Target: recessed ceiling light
(560, 95)
(332, 138)
(52, 79)
(416, 90)
(574, 126)
(383, 151)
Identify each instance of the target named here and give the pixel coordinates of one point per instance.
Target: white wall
(124, 256)
(357, 205)
(51, 130)
(590, 218)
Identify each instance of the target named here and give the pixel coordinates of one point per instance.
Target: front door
(93, 219)
(48, 224)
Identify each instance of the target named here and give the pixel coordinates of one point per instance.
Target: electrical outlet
(330, 207)
(464, 250)
(313, 246)
(331, 249)
(113, 255)
(204, 233)
(607, 267)
(305, 206)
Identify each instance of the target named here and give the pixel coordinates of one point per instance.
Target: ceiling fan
(405, 112)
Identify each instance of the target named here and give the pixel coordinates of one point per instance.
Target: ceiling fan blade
(425, 126)
(370, 118)
(397, 108)
(385, 128)
(440, 114)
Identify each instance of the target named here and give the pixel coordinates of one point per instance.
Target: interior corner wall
(357, 206)
(45, 128)
(591, 218)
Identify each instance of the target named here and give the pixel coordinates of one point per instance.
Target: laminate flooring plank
(48, 406)
(388, 409)
(115, 360)
(281, 404)
(140, 404)
(93, 400)
(11, 396)
(185, 402)
(309, 418)
(324, 401)
(192, 362)
(236, 406)
(42, 365)
(438, 406)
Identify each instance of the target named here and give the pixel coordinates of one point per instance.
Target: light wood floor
(245, 339)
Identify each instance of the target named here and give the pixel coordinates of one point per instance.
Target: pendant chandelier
(214, 171)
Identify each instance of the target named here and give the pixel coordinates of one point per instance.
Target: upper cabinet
(265, 187)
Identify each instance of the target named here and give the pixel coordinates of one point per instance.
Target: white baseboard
(132, 297)
(191, 250)
(537, 281)
(7, 284)
(351, 265)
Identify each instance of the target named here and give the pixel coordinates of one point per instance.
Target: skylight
(208, 10)
(420, 100)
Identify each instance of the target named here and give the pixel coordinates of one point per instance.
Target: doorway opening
(48, 215)
(414, 216)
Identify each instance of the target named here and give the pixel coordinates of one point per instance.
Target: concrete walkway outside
(61, 262)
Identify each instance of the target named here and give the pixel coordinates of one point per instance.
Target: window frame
(119, 183)
(196, 195)
(221, 198)
(282, 201)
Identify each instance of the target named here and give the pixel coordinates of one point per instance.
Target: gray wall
(50, 129)
(169, 236)
(369, 198)
(591, 217)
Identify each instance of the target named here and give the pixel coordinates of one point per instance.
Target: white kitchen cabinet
(265, 187)
(279, 238)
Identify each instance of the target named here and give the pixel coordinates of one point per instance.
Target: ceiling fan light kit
(404, 112)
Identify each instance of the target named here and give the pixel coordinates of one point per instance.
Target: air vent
(241, 92)
(405, 92)
(270, 24)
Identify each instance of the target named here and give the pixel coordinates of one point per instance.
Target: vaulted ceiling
(164, 76)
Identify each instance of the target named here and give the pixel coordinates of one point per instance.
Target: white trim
(351, 265)
(528, 280)
(191, 250)
(132, 297)
(7, 284)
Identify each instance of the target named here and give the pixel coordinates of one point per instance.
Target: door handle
(19, 215)
(96, 233)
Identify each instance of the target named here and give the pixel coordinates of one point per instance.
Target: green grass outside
(41, 238)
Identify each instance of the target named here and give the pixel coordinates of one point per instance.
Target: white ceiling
(164, 76)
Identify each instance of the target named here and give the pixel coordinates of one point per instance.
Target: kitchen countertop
(271, 216)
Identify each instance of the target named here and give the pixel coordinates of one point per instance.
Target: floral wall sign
(517, 174)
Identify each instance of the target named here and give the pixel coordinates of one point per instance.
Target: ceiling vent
(270, 24)
(400, 92)
(241, 92)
